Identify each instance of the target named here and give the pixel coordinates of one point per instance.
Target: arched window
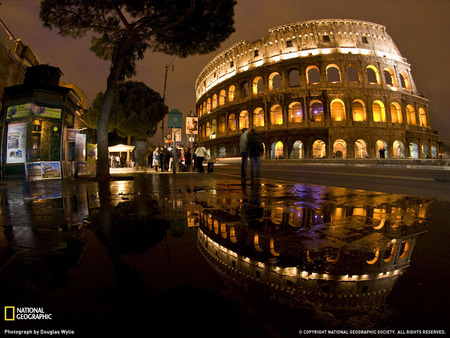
(258, 85)
(413, 150)
(312, 75)
(316, 113)
(294, 78)
(381, 149)
(222, 152)
(214, 101)
(277, 150)
(389, 77)
(208, 105)
(222, 97)
(274, 81)
(243, 120)
(359, 111)
(333, 74)
(378, 111)
(340, 149)
(298, 151)
(398, 150)
(204, 107)
(258, 117)
(372, 74)
(214, 128)
(396, 113)
(337, 110)
(295, 112)
(352, 74)
(276, 115)
(319, 149)
(423, 117)
(222, 124)
(360, 149)
(243, 87)
(231, 93)
(208, 129)
(232, 122)
(410, 115)
(404, 80)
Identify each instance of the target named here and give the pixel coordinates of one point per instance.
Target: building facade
(316, 89)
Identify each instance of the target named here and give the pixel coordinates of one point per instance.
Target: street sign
(175, 119)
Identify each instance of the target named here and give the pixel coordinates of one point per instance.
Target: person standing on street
(255, 150)
(243, 142)
(201, 153)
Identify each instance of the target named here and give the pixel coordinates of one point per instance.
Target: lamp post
(164, 94)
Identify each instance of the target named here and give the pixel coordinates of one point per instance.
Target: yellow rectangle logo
(10, 313)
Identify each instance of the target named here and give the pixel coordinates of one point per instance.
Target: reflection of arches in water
(379, 218)
(223, 230)
(256, 243)
(272, 248)
(404, 249)
(373, 257)
(233, 238)
(389, 252)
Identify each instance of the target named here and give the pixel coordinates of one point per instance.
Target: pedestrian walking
(156, 159)
(188, 159)
(243, 145)
(255, 150)
(201, 153)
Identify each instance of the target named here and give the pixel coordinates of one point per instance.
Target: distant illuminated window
(276, 115)
(295, 112)
(232, 122)
(258, 85)
(410, 115)
(231, 93)
(358, 111)
(337, 111)
(243, 119)
(214, 101)
(222, 124)
(258, 117)
(379, 112)
(222, 97)
(423, 117)
(396, 113)
(319, 149)
(316, 111)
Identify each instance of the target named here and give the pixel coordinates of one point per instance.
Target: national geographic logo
(13, 313)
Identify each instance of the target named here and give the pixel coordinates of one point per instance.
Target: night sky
(420, 29)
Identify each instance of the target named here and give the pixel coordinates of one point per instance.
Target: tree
(124, 29)
(136, 111)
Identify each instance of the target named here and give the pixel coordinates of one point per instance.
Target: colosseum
(328, 88)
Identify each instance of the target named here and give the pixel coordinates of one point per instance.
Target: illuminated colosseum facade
(316, 89)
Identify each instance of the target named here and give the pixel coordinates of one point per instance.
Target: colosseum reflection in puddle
(333, 253)
(315, 89)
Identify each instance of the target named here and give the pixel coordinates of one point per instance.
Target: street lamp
(164, 94)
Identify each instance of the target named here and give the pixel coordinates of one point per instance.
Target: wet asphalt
(163, 255)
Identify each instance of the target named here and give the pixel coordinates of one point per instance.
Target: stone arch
(333, 73)
(214, 101)
(425, 150)
(214, 128)
(410, 115)
(337, 109)
(319, 149)
(274, 81)
(373, 76)
(277, 150)
(359, 111)
(381, 149)
(258, 85)
(316, 113)
(413, 150)
(298, 150)
(361, 149)
(423, 117)
(294, 78)
(232, 122)
(296, 112)
(222, 97)
(396, 113)
(244, 119)
(389, 77)
(258, 117)
(398, 150)
(340, 149)
(231, 93)
(222, 151)
(276, 115)
(222, 124)
(404, 80)
(312, 75)
(353, 74)
(378, 111)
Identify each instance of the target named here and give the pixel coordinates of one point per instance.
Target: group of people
(251, 146)
(187, 159)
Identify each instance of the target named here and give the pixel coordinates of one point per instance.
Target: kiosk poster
(20, 110)
(41, 111)
(34, 171)
(16, 142)
(51, 170)
(191, 125)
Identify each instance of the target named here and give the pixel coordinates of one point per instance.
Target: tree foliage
(124, 29)
(136, 111)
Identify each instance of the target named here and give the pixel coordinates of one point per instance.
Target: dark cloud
(420, 28)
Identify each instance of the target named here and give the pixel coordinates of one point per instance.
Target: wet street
(158, 255)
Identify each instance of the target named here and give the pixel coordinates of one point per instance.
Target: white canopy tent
(120, 148)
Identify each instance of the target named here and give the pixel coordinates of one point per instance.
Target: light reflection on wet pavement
(154, 256)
